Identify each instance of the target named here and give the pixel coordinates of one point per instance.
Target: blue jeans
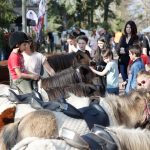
(123, 71)
(113, 90)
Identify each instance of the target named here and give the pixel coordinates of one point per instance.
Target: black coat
(124, 58)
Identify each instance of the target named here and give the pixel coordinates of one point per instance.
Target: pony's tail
(9, 135)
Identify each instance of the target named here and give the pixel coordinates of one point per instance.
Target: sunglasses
(142, 82)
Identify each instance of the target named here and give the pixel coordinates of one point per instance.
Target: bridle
(79, 75)
(146, 119)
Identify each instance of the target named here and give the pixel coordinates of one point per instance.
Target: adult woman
(127, 40)
(34, 61)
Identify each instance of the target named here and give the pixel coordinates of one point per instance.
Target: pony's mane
(60, 79)
(131, 139)
(125, 100)
(61, 61)
(80, 89)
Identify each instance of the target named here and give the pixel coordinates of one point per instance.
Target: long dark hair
(133, 28)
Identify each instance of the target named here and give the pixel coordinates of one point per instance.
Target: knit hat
(17, 38)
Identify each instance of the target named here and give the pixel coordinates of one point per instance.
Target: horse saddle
(95, 114)
(98, 138)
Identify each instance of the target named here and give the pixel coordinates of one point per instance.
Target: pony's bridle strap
(147, 111)
(79, 75)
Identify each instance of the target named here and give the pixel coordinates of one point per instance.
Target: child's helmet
(17, 38)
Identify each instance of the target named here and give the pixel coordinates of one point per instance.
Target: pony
(65, 60)
(18, 130)
(125, 139)
(131, 110)
(68, 76)
(130, 139)
(126, 110)
(80, 89)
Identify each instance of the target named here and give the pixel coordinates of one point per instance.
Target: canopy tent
(30, 22)
(146, 30)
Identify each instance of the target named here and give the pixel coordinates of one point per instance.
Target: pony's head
(140, 100)
(144, 108)
(86, 75)
(81, 58)
(131, 110)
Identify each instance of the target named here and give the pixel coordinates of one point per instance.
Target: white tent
(146, 30)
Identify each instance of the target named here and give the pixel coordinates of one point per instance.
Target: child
(136, 66)
(82, 44)
(20, 77)
(38, 61)
(72, 44)
(111, 72)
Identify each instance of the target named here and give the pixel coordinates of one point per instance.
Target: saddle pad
(32, 143)
(77, 125)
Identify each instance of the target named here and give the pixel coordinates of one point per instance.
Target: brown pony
(68, 76)
(80, 89)
(65, 60)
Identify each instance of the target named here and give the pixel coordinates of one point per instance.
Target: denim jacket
(136, 66)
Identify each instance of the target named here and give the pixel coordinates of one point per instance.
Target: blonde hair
(143, 73)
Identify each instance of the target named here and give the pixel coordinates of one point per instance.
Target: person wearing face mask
(128, 38)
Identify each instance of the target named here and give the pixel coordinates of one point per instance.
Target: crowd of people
(102, 47)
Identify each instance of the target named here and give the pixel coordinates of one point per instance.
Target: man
(78, 32)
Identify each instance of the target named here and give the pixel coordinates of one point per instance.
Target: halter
(79, 75)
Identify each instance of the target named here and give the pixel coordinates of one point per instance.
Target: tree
(6, 17)
(107, 12)
(80, 12)
(6, 14)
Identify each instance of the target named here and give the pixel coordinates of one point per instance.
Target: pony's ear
(79, 55)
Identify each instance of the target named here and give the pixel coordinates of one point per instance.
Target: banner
(32, 15)
(41, 13)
